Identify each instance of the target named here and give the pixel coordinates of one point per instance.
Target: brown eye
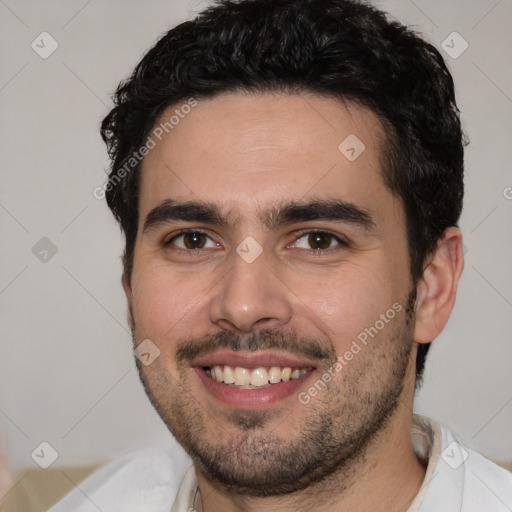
(194, 240)
(320, 240)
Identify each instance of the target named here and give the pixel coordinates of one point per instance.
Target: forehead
(247, 152)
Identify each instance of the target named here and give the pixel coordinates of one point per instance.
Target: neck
(386, 477)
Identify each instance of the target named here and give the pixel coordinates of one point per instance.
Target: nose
(250, 296)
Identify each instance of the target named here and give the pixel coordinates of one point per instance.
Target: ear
(127, 287)
(437, 287)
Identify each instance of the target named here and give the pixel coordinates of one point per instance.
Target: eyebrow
(279, 215)
(335, 210)
(190, 211)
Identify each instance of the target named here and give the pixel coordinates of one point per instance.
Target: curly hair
(343, 49)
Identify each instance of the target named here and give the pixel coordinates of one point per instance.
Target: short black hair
(344, 49)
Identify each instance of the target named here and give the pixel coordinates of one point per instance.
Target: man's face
(294, 257)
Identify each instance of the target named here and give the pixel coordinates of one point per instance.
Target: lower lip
(252, 398)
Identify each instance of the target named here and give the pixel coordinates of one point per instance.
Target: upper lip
(252, 359)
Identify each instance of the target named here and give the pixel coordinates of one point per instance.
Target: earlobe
(125, 281)
(127, 287)
(437, 287)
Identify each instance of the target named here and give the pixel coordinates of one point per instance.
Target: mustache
(265, 339)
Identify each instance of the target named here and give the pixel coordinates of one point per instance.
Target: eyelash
(342, 244)
(182, 233)
(318, 252)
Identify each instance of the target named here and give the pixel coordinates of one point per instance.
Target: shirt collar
(426, 443)
(188, 494)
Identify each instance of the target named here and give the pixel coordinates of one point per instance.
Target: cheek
(166, 305)
(346, 303)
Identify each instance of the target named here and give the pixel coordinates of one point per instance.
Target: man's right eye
(191, 240)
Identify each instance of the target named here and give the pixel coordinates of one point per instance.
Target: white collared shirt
(457, 479)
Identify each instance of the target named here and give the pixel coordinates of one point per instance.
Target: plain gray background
(67, 374)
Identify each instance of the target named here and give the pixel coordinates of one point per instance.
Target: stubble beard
(331, 440)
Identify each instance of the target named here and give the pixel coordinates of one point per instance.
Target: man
(289, 178)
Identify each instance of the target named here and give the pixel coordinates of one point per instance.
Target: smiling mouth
(254, 378)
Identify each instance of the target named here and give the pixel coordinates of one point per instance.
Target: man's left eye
(318, 241)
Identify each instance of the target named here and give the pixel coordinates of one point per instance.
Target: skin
(249, 153)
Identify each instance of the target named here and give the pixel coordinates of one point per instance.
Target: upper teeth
(254, 377)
